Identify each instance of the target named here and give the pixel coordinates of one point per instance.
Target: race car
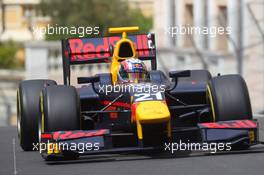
(130, 109)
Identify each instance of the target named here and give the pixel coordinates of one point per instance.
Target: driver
(132, 70)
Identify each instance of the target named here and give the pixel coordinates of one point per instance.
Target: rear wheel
(28, 111)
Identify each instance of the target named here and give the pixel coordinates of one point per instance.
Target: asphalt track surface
(241, 163)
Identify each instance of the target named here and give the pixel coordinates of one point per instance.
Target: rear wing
(100, 50)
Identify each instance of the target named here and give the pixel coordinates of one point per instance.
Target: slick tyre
(229, 98)
(60, 108)
(28, 111)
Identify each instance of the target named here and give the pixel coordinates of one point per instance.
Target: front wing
(89, 142)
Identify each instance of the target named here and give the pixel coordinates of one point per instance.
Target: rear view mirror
(176, 74)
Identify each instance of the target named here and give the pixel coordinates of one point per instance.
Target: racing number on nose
(148, 96)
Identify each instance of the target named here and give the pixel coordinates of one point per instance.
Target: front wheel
(60, 111)
(229, 98)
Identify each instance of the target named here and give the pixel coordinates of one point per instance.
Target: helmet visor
(133, 77)
(136, 77)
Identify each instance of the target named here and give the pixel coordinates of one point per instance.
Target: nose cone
(152, 112)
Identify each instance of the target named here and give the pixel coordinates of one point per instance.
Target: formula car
(185, 106)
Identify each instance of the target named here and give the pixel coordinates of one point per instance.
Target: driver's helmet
(132, 70)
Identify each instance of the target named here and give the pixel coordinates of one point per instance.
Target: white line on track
(14, 154)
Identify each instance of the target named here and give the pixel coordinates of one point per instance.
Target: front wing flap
(83, 142)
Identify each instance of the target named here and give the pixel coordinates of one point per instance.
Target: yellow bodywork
(251, 136)
(151, 112)
(53, 148)
(147, 112)
(116, 59)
